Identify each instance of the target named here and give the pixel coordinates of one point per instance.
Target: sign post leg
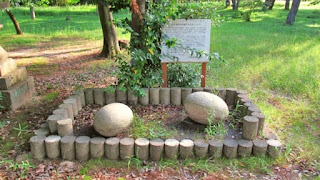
(164, 75)
(204, 73)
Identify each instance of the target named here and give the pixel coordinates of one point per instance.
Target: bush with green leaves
(183, 75)
(144, 70)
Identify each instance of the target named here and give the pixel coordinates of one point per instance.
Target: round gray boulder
(200, 106)
(113, 119)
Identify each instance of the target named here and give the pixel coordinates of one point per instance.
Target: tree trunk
(107, 35)
(272, 4)
(286, 6)
(227, 3)
(234, 5)
(32, 14)
(138, 8)
(15, 22)
(293, 12)
(269, 4)
(114, 34)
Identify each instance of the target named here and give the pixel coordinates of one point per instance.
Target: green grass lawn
(278, 64)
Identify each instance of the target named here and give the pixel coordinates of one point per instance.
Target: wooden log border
(104, 96)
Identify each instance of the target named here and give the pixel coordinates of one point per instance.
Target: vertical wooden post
(204, 73)
(164, 75)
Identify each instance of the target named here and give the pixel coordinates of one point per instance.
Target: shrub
(183, 75)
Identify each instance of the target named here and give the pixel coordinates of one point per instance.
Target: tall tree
(14, 21)
(293, 12)
(286, 6)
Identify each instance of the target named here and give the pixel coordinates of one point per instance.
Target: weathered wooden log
(126, 148)
(61, 112)
(171, 148)
(253, 109)
(52, 122)
(165, 96)
(89, 96)
(154, 96)
(222, 93)
(53, 146)
(78, 100)
(98, 94)
(209, 90)
(250, 127)
(82, 96)
(230, 148)
(122, 96)
(175, 96)
(244, 148)
(262, 119)
(68, 151)
(44, 125)
(215, 148)
(97, 147)
(242, 93)
(69, 109)
(38, 148)
(201, 148)
(73, 102)
(274, 148)
(259, 148)
(111, 96)
(198, 89)
(112, 148)
(184, 93)
(230, 96)
(65, 127)
(132, 99)
(82, 148)
(186, 149)
(145, 99)
(42, 132)
(156, 149)
(142, 149)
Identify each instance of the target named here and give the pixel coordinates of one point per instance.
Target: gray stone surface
(38, 148)
(175, 96)
(7, 66)
(132, 99)
(113, 119)
(112, 148)
(201, 148)
(203, 105)
(52, 122)
(259, 148)
(68, 151)
(88, 93)
(171, 148)
(17, 96)
(156, 149)
(110, 97)
(145, 99)
(78, 99)
(74, 105)
(244, 148)
(215, 148)
(99, 96)
(3, 54)
(42, 132)
(185, 92)
(122, 96)
(97, 147)
(141, 149)
(186, 149)
(230, 148)
(82, 148)
(65, 127)
(250, 127)
(154, 96)
(82, 96)
(53, 146)
(69, 109)
(126, 148)
(274, 148)
(61, 112)
(12, 78)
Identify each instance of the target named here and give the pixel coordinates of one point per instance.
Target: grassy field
(278, 64)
